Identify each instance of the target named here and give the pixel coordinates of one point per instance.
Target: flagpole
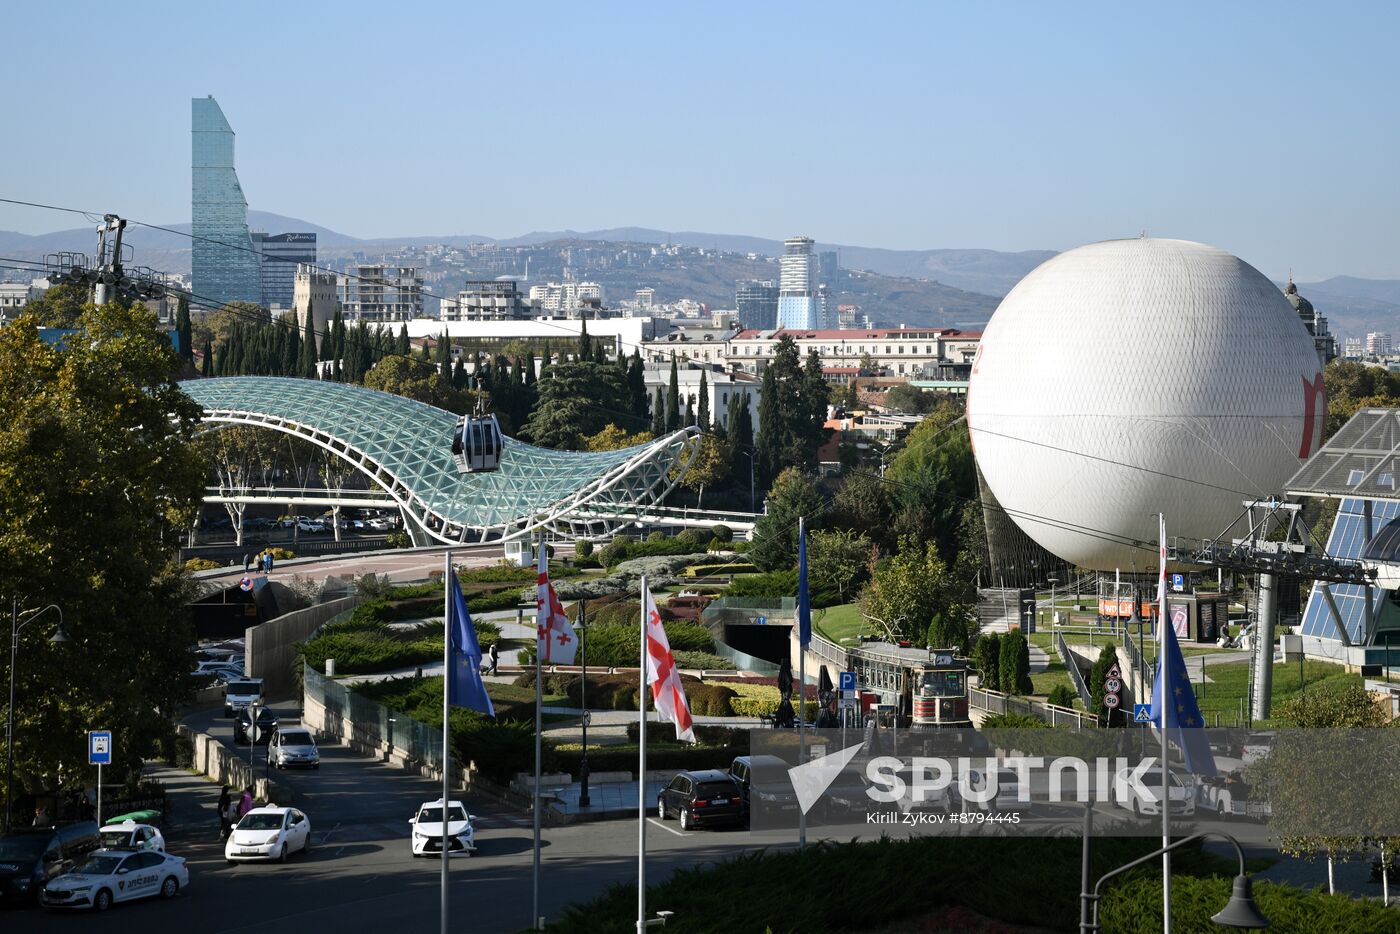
(801, 693)
(1162, 659)
(642, 770)
(542, 564)
(446, 711)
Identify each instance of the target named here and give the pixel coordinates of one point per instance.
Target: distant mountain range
(966, 282)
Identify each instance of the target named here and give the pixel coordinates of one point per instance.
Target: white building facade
(892, 351)
(720, 386)
(798, 306)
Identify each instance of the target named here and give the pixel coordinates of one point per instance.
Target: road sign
(1111, 701)
(760, 620)
(1178, 582)
(1142, 713)
(847, 680)
(99, 747)
(848, 703)
(1113, 685)
(1114, 673)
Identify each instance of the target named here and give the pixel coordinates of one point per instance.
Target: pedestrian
(247, 563)
(269, 562)
(225, 796)
(245, 803)
(41, 816)
(495, 654)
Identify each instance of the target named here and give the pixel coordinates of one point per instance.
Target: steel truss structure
(403, 447)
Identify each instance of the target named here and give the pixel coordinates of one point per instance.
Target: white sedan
(129, 835)
(269, 833)
(109, 876)
(427, 829)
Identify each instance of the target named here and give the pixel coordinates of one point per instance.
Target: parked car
(109, 876)
(131, 835)
(262, 734)
(846, 798)
(271, 833)
(31, 856)
(293, 747)
(764, 780)
(309, 526)
(702, 799)
(1006, 796)
(427, 829)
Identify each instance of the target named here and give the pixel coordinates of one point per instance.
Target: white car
(269, 833)
(108, 876)
(1181, 795)
(1008, 792)
(427, 829)
(293, 747)
(129, 835)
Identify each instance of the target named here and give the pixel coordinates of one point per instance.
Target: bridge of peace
(403, 448)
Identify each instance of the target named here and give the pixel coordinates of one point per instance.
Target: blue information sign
(848, 681)
(1142, 713)
(99, 747)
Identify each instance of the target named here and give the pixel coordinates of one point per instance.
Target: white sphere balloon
(1130, 377)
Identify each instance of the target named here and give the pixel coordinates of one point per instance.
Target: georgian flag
(554, 634)
(661, 672)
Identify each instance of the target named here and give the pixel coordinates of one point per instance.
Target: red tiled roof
(862, 334)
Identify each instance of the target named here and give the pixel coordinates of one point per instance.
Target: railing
(829, 652)
(1072, 666)
(356, 719)
(995, 702)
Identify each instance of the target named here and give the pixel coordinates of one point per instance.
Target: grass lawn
(840, 624)
(1229, 685)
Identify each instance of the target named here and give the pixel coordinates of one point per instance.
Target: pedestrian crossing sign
(1142, 713)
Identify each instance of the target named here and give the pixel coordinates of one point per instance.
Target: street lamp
(59, 637)
(1053, 580)
(1239, 912)
(583, 799)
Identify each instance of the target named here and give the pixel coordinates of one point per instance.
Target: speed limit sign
(1110, 701)
(1113, 685)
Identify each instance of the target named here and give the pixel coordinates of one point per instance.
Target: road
(400, 566)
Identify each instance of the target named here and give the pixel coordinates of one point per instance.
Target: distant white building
(13, 297)
(487, 300)
(567, 296)
(1354, 348)
(1378, 344)
(798, 305)
(628, 332)
(720, 386)
(377, 292)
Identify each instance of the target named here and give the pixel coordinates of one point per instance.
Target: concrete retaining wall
(270, 649)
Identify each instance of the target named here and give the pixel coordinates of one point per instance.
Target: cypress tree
(702, 417)
(585, 343)
(207, 367)
(529, 368)
(673, 399)
(740, 434)
(308, 348)
(292, 359)
(444, 359)
(637, 386)
(658, 415)
(404, 347)
(185, 329)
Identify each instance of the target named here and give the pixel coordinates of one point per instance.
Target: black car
(267, 725)
(764, 786)
(702, 799)
(31, 856)
(846, 799)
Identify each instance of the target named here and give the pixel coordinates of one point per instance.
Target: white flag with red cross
(662, 675)
(554, 634)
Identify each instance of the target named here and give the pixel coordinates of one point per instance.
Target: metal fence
(1072, 666)
(356, 719)
(995, 702)
(829, 652)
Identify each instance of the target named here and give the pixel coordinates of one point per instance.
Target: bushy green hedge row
(622, 548)
(620, 692)
(366, 643)
(509, 573)
(781, 584)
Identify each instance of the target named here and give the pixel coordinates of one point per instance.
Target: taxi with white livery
(269, 833)
(111, 876)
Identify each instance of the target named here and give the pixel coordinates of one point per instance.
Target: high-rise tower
(224, 264)
(797, 293)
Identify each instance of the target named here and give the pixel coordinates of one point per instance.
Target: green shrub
(1108, 657)
(583, 548)
(201, 564)
(1062, 695)
(656, 537)
(1013, 721)
(688, 658)
(722, 532)
(988, 659)
(365, 643)
(1014, 664)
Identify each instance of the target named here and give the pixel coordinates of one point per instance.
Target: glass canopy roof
(405, 447)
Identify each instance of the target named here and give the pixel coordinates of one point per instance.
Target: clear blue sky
(1268, 129)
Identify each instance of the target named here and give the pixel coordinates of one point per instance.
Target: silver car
(293, 747)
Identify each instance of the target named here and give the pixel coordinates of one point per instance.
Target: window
(1354, 477)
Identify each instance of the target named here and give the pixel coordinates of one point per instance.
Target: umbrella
(785, 677)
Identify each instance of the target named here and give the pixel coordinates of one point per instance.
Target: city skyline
(1012, 128)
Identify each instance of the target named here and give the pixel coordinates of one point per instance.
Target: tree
(575, 400)
(702, 415)
(637, 387)
(792, 411)
(585, 343)
(415, 379)
(932, 478)
(444, 358)
(774, 546)
(987, 656)
(1352, 386)
(308, 348)
(673, 399)
(98, 476)
(404, 346)
(1015, 664)
(59, 307)
(184, 329)
(839, 560)
(906, 398)
(658, 414)
(206, 366)
(907, 591)
(708, 466)
(740, 434)
(1108, 657)
(868, 367)
(613, 438)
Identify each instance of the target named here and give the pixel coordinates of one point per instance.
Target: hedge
(365, 643)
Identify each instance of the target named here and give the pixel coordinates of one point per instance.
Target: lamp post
(1239, 912)
(16, 627)
(583, 799)
(1053, 581)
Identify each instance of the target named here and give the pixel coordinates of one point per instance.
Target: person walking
(225, 799)
(495, 654)
(245, 803)
(247, 563)
(269, 562)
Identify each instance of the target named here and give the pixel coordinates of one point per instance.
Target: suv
(262, 733)
(702, 799)
(129, 835)
(241, 693)
(763, 778)
(31, 856)
(292, 747)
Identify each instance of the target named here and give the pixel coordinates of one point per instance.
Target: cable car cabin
(926, 688)
(477, 444)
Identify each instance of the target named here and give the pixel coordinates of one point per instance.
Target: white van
(240, 693)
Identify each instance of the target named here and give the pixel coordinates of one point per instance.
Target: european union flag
(464, 685)
(804, 600)
(1174, 707)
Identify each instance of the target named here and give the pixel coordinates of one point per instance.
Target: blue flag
(464, 685)
(804, 600)
(1179, 714)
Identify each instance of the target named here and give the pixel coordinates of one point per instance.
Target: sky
(1266, 129)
